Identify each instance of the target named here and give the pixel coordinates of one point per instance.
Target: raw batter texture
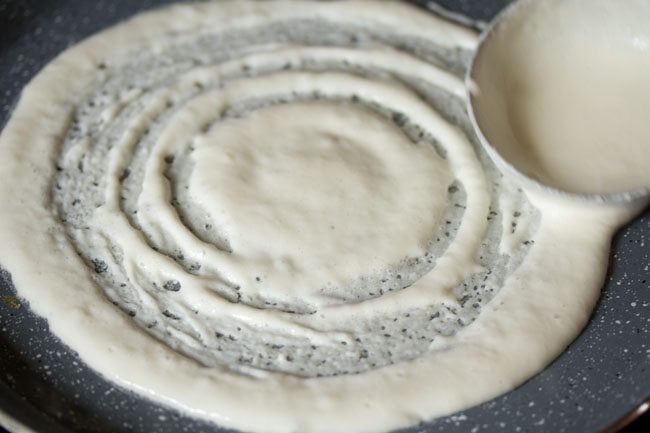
(264, 213)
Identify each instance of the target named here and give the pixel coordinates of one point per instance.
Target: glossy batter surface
(284, 215)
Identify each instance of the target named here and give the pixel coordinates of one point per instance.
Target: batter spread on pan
(279, 209)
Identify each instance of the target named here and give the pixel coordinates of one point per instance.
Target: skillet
(45, 388)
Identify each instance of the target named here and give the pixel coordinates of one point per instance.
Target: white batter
(289, 231)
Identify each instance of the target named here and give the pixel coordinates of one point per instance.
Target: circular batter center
(311, 195)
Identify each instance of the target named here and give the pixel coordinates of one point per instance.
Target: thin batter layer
(281, 204)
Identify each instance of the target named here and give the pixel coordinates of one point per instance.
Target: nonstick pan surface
(45, 387)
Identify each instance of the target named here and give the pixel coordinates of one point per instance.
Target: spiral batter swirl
(195, 180)
(268, 213)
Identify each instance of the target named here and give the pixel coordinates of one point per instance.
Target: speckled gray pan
(44, 386)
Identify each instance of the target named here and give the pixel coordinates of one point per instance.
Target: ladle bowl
(559, 95)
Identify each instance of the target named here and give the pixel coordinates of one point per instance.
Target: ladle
(559, 95)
